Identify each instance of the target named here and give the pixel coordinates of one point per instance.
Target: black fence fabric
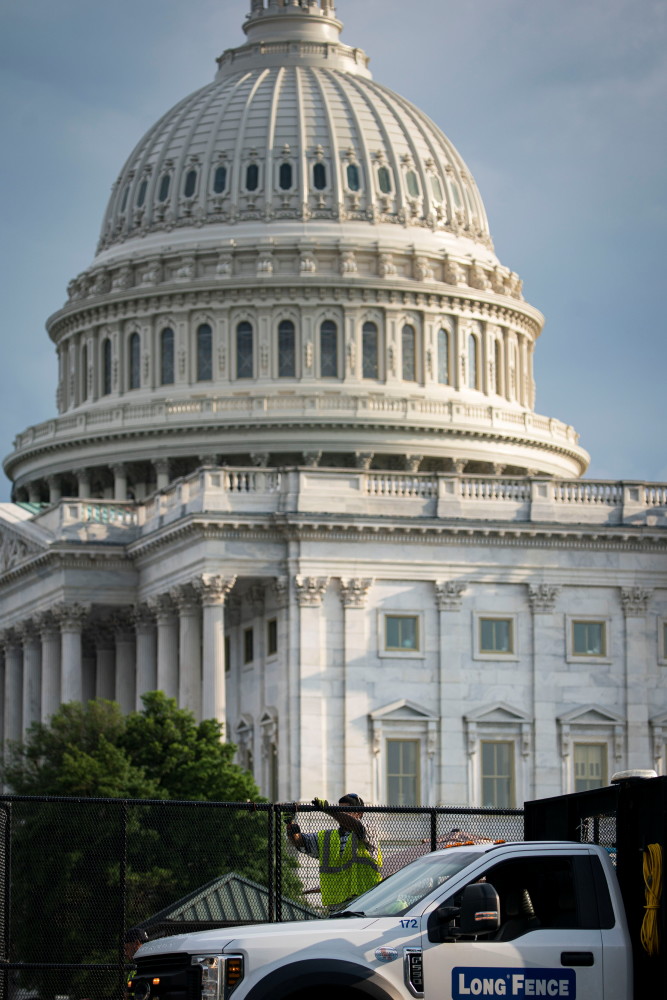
(77, 874)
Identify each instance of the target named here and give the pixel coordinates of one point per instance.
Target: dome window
(126, 192)
(252, 177)
(369, 350)
(412, 183)
(106, 367)
(499, 366)
(353, 177)
(204, 353)
(220, 180)
(473, 362)
(443, 357)
(409, 354)
(134, 362)
(141, 195)
(436, 187)
(319, 176)
(190, 185)
(456, 195)
(384, 180)
(165, 184)
(167, 356)
(329, 349)
(84, 373)
(286, 349)
(244, 351)
(285, 177)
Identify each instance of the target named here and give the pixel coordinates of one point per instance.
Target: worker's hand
(320, 803)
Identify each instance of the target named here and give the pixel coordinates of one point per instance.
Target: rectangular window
(496, 635)
(588, 639)
(228, 654)
(248, 645)
(403, 772)
(590, 766)
(272, 637)
(369, 351)
(498, 774)
(401, 632)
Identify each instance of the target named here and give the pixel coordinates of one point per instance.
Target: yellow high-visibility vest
(347, 874)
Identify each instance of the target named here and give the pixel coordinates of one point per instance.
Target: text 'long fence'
(76, 874)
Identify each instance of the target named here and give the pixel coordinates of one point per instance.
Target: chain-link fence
(77, 874)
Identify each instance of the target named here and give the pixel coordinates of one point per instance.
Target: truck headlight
(220, 974)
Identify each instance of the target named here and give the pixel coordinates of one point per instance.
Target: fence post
(434, 829)
(5, 890)
(270, 844)
(278, 842)
(124, 813)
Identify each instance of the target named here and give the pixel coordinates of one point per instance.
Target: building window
(248, 645)
(369, 350)
(353, 177)
(106, 366)
(590, 766)
(245, 365)
(252, 177)
(228, 654)
(412, 183)
(473, 362)
(403, 773)
(588, 638)
(165, 184)
(123, 204)
(401, 632)
(83, 375)
(204, 353)
(272, 637)
(499, 367)
(384, 180)
(285, 177)
(409, 354)
(443, 357)
(286, 349)
(329, 349)
(141, 194)
(497, 759)
(219, 180)
(167, 356)
(134, 359)
(436, 187)
(319, 176)
(190, 185)
(496, 635)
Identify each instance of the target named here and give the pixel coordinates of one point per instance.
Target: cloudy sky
(559, 108)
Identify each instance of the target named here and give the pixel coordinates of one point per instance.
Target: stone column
(189, 649)
(161, 466)
(167, 644)
(71, 617)
(119, 481)
(32, 674)
(353, 728)
(83, 483)
(55, 491)
(547, 661)
(34, 493)
(144, 624)
(51, 655)
(105, 661)
(311, 753)
(451, 784)
(635, 601)
(126, 686)
(13, 685)
(213, 591)
(2, 691)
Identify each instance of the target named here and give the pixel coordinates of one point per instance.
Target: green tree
(73, 863)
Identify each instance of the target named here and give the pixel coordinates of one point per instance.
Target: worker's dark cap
(351, 799)
(135, 934)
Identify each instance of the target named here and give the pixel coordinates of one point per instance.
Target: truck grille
(166, 977)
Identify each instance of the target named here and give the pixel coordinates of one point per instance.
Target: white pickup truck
(510, 920)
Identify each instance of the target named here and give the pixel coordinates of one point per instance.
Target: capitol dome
(295, 267)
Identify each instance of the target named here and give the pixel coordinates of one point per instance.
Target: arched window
(384, 180)
(167, 356)
(123, 204)
(204, 353)
(141, 194)
(353, 177)
(499, 367)
(443, 357)
(436, 186)
(165, 184)
(83, 374)
(286, 349)
(409, 354)
(106, 366)
(244, 351)
(220, 180)
(473, 361)
(285, 176)
(190, 185)
(369, 350)
(329, 349)
(134, 362)
(252, 177)
(319, 177)
(412, 183)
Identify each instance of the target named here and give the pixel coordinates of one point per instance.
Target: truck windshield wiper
(349, 913)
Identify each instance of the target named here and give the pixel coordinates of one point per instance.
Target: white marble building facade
(296, 479)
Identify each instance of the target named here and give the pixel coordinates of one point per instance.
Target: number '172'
(408, 923)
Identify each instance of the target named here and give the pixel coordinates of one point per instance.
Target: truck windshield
(407, 887)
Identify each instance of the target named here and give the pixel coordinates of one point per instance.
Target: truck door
(549, 943)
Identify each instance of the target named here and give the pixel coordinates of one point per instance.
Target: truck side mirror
(480, 909)
(439, 922)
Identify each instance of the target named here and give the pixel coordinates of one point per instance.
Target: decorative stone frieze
(14, 550)
(281, 591)
(542, 597)
(635, 600)
(449, 594)
(354, 591)
(310, 590)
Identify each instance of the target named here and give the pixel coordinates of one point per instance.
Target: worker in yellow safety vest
(350, 860)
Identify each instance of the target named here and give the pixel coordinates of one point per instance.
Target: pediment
(19, 540)
(402, 710)
(498, 712)
(591, 715)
